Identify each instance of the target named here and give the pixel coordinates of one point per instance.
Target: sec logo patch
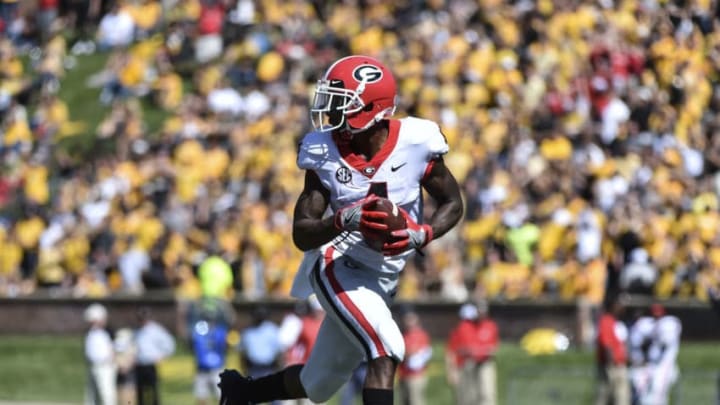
(343, 175)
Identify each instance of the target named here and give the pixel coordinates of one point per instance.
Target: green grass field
(51, 369)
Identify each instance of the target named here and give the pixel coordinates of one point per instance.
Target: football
(395, 221)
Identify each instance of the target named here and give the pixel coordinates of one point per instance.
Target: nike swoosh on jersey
(395, 168)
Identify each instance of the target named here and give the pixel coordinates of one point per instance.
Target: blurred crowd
(582, 133)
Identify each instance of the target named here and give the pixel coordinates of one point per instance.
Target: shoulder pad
(314, 149)
(422, 131)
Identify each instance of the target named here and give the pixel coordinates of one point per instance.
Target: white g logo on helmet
(367, 73)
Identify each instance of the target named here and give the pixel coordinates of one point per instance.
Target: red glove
(415, 236)
(358, 215)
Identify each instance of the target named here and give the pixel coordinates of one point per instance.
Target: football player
(356, 154)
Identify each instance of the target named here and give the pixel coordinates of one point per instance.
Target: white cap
(639, 255)
(468, 312)
(95, 313)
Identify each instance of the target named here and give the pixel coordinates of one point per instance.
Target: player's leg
(358, 298)
(329, 366)
(331, 363)
(240, 390)
(379, 382)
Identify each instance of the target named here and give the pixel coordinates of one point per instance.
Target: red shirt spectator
(461, 341)
(473, 339)
(417, 348)
(211, 20)
(609, 342)
(48, 4)
(299, 330)
(486, 333)
(300, 351)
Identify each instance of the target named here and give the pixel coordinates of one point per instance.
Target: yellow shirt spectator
(216, 163)
(10, 256)
(551, 239)
(185, 10)
(591, 281)
(169, 89)
(28, 232)
(36, 184)
(133, 72)
(556, 148)
(149, 231)
(146, 15)
(216, 278)
(50, 270)
(75, 250)
(18, 131)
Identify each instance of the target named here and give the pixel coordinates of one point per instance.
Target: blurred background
(147, 150)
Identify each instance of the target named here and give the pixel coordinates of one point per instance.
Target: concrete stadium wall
(63, 316)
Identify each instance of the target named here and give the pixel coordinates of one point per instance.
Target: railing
(39, 314)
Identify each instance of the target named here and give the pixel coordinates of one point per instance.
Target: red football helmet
(355, 93)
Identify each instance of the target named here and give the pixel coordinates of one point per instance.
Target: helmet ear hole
(368, 107)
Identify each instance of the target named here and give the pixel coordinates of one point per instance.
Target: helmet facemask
(331, 103)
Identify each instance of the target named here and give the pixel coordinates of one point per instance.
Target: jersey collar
(369, 168)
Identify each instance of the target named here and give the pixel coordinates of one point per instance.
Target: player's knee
(381, 372)
(393, 340)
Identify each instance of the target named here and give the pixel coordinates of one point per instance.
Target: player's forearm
(311, 233)
(446, 217)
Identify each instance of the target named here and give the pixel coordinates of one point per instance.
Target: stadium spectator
(101, 388)
(470, 356)
(412, 372)
(215, 281)
(210, 320)
(8, 10)
(83, 15)
(638, 276)
(46, 18)
(154, 344)
(133, 263)
(656, 343)
(116, 29)
(611, 354)
(125, 357)
(209, 41)
(260, 350)
(714, 295)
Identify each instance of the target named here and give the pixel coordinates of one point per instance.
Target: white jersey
(395, 172)
(653, 379)
(642, 333)
(667, 340)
